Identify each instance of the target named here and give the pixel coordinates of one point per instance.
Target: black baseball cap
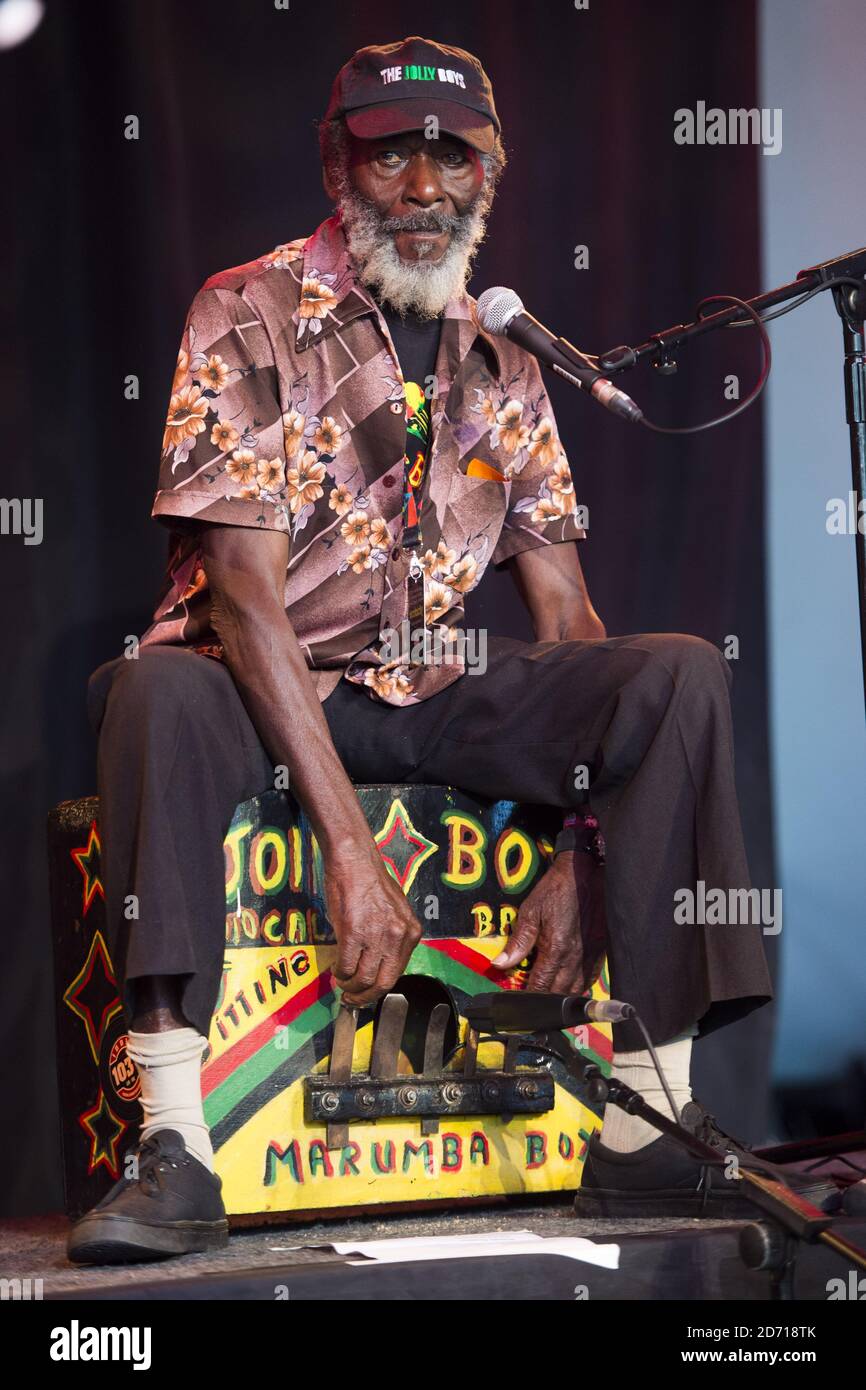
(390, 88)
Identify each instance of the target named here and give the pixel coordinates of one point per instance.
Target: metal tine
(342, 1051)
(434, 1056)
(337, 1135)
(434, 1042)
(343, 1045)
(389, 1035)
(470, 1052)
(509, 1054)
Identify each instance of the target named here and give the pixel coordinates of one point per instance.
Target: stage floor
(659, 1259)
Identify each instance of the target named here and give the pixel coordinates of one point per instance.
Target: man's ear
(328, 185)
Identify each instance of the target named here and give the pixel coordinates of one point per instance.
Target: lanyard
(414, 469)
(415, 462)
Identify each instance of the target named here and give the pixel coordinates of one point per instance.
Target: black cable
(482, 1038)
(775, 313)
(794, 303)
(533, 1044)
(658, 1066)
(759, 1164)
(766, 364)
(754, 320)
(595, 358)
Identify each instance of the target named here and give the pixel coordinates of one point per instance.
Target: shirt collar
(332, 295)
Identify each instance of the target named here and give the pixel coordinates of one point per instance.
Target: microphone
(524, 1011)
(500, 312)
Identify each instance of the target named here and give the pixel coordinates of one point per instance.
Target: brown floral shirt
(288, 413)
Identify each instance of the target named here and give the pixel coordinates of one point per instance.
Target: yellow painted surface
(275, 1162)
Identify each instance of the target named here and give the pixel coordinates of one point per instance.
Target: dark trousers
(648, 715)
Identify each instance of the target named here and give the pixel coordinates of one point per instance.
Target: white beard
(422, 286)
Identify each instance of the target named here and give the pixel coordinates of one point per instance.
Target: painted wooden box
(465, 868)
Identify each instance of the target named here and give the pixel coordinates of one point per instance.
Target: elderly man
(345, 453)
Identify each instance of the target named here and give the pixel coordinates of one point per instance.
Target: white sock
(169, 1065)
(627, 1133)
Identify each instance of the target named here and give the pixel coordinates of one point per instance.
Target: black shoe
(173, 1207)
(662, 1179)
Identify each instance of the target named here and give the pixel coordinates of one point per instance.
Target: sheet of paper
(471, 1245)
(471, 1238)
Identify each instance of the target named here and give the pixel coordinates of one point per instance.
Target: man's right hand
(376, 930)
(375, 926)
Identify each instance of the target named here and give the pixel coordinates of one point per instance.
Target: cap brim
(396, 117)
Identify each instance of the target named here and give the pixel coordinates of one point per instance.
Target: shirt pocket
(482, 464)
(476, 504)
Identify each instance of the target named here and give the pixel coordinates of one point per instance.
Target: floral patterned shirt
(288, 413)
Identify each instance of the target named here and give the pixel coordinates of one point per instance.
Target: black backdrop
(110, 238)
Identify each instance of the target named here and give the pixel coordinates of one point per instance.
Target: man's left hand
(563, 917)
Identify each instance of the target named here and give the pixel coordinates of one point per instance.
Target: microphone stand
(845, 277)
(792, 1218)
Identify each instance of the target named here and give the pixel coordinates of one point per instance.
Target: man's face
(414, 212)
(417, 180)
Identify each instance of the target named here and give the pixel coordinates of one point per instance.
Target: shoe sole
(602, 1203)
(115, 1240)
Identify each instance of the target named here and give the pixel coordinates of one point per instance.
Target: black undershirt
(416, 341)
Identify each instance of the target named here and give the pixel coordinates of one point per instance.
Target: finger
(554, 952)
(542, 975)
(391, 963)
(589, 973)
(521, 943)
(363, 976)
(568, 978)
(348, 956)
(387, 976)
(364, 997)
(389, 973)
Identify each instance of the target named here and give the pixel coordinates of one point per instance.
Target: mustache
(424, 222)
